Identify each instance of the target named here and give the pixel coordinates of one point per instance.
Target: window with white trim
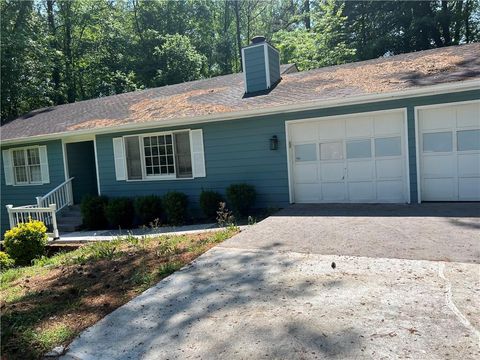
(26, 166)
(166, 155)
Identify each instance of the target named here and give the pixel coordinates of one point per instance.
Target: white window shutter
(198, 156)
(42, 150)
(7, 167)
(119, 156)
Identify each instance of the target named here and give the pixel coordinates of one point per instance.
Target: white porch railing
(22, 214)
(62, 196)
(46, 208)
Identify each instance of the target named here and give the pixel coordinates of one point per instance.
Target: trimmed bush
(93, 212)
(175, 207)
(26, 242)
(119, 213)
(241, 198)
(148, 209)
(209, 203)
(6, 262)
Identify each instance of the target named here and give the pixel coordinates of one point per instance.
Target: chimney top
(258, 39)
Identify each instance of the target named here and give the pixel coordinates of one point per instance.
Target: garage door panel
(360, 126)
(332, 172)
(469, 188)
(306, 173)
(360, 170)
(469, 165)
(331, 129)
(388, 124)
(438, 166)
(468, 115)
(389, 168)
(437, 119)
(307, 193)
(439, 189)
(304, 132)
(361, 191)
(390, 191)
(333, 192)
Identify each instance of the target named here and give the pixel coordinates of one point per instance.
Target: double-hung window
(166, 155)
(26, 166)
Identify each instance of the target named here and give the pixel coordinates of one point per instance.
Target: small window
(358, 149)
(437, 142)
(390, 146)
(158, 152)
(468, 140)
(26, 166)
(331, 151)
(306, 152)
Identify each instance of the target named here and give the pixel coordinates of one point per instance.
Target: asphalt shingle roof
(224, 94)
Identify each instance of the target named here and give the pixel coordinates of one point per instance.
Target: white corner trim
(267, 65)
(272, 110)
(96, 164)
(65, 162)
(291, 195)
(244, 71)
(407, 156)
(417, 154)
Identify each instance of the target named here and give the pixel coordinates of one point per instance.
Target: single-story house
(398, 129)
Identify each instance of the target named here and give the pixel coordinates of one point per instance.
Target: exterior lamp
(274, 142)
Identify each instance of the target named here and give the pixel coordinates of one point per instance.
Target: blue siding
(25, 195)
(274, 65)
(255, 68)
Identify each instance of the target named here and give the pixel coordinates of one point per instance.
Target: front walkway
(241, 300)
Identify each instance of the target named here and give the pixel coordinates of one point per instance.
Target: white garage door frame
(418, 156)
(288, 145)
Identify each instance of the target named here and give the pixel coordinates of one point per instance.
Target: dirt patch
(73, 297)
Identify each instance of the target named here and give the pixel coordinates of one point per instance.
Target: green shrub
(209, 203)
(175, 207)
(93, 212)
(241, 198)
(119, 212)
(26, 242)
(6, 262)
(148, 209)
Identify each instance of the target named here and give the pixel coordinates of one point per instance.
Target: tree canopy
(60, 51)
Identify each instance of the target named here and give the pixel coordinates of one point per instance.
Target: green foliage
(93, 212)
(241, 197)
(180, 60)
(6, 262)
(26, 241)
(166, 247)
(224, 216)
(323, 45)
(119, 212)
(148, 209)
(209, 203)
(175, 206)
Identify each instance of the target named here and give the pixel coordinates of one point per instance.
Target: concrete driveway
(271, 293)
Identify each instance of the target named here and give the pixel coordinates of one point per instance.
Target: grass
(52, 301)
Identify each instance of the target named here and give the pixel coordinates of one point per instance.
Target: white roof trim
(311, 105)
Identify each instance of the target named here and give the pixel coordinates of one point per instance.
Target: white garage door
(359, 158)
(449, 148)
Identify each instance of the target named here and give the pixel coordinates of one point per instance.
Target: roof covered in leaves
(225, 94)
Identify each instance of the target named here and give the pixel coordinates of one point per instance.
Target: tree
(322, 45)
(179, 61)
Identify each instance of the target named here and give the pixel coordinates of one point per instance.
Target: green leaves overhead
(59, 51)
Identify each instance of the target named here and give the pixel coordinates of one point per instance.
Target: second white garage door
(359, 158)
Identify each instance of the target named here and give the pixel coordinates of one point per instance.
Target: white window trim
(24, 148)
(146, 177)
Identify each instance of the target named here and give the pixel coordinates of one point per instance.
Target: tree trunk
(306, 14)
(69, 75)
(445, 23)
(239, 39)
(58, 98)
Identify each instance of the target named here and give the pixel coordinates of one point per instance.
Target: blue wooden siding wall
(25, 195)
(274, 61)
(255, 65)
(235, 151)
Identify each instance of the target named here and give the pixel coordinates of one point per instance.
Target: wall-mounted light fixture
(274, 142)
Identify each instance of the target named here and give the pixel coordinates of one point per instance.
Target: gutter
(282, 109)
